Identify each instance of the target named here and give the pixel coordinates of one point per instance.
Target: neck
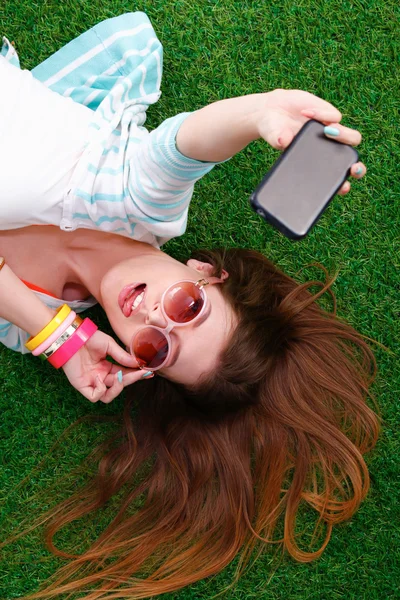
(91, 254)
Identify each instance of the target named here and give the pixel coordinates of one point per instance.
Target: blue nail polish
(358, 171)
(147, 374)
(119, 376)
(331, 131)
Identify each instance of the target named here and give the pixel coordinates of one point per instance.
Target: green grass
(347, 52)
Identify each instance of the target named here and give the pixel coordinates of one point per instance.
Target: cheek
(125, 334)
(122, 329)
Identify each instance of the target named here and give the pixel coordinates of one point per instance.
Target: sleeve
(161, 179)
(89, 67)
(13, 337)
(8, 51)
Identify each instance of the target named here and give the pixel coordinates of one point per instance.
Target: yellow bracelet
(61, 315)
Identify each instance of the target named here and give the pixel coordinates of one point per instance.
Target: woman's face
(195, 347)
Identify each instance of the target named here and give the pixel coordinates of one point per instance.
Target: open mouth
(131, 297)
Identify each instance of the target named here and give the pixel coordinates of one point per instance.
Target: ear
(201, 267)
(205, 269)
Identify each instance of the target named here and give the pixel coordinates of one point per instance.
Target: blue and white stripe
(128, 181)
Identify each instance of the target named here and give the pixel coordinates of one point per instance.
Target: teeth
(138, 300)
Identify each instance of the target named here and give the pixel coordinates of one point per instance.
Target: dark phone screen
(305, 178)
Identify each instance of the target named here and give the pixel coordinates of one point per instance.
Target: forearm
(220, 130)
(20, 306)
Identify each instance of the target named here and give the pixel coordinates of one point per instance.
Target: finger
(119, 383)
(358, 170)
(120, 355)
(128, 376)
(343, 134)
(134, 376)
(344, 189)
(94, 393)
(325, 114)
(320, 109)
(113, 391)
(115, 368)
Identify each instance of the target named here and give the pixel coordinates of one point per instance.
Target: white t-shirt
(73, 149)
(42, 138)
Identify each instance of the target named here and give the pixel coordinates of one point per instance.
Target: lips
(128, 296)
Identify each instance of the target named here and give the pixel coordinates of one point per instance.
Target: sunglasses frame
(200, 283)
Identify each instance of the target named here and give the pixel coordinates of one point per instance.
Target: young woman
(260, 403)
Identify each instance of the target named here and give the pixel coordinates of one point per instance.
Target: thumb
(285, 138)
(277, 130)
(120, 355)
(279, 137)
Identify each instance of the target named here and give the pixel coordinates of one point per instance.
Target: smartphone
(295, 192)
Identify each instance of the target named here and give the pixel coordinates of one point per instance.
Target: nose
(155, 316)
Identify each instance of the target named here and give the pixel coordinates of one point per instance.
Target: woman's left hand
(286, 111)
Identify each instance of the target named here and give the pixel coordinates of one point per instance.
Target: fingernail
(331, 131)
(147, 374)
(358, 171)
(119, 376)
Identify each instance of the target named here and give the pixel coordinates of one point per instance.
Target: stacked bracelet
(62, 337)
(68, 333)
(55, 335)
(57, 320)
(73, 344)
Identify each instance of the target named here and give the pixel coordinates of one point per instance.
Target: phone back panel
(304, 179)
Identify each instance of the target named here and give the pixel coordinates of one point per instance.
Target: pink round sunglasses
(183, 303)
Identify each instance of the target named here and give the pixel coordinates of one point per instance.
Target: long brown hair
(208, 472)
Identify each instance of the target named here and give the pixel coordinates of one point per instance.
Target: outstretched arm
(220, 130)
(174, 156)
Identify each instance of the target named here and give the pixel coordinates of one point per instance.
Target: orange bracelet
(2, 263)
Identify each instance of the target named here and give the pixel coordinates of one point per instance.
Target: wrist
(258, 104)
(218, 131)
(261, 111)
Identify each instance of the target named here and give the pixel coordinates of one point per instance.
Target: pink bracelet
(55, 335)
(75, 343)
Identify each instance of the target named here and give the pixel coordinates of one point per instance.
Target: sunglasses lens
(150, 348)
(183, 302)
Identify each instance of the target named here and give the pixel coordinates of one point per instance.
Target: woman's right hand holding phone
(222, 129)
(284, 113)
